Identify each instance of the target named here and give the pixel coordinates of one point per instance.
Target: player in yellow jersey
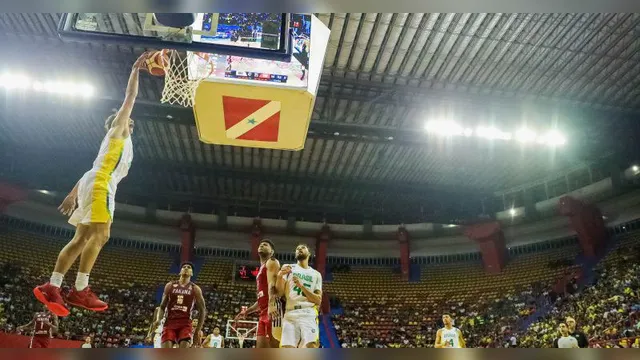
(91, 205)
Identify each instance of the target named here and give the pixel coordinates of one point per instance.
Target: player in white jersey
(157, 332)
(91, 205)
(449, 336)
(214, 340)
(302, 288)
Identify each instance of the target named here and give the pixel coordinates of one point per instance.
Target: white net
(241, 330)
(183, 74)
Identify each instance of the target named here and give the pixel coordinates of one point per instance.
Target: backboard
(260, 103)
(256, 84)
(259, 35)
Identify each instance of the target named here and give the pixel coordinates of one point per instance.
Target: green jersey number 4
(299, 291)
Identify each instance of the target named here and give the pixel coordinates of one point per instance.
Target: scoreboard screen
(247, 272)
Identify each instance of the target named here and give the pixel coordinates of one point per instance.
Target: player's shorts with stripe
(300, 327)
(96, 203)
(40, 342)
(177, 333)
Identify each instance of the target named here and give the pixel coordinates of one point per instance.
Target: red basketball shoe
(86, 299)
(50, 296)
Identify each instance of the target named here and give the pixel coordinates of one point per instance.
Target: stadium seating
(379, 310)
(443, 288)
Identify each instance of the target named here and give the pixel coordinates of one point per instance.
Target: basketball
(158, 62)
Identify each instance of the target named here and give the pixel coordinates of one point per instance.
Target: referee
(583, 342)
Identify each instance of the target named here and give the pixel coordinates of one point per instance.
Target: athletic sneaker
(86, 299)
(50, 296)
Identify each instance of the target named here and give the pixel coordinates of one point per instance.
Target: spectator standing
(87, 343)
(582, 339)
(565, 341)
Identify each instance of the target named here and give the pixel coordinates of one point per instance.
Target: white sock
(56, 279)
(82, 281)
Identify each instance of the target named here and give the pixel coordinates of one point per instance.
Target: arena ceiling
(366, 155)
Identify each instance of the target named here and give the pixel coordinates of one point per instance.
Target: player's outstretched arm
(21, 328)
(202, 313)
(121, 121)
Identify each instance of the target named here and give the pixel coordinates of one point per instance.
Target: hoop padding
(182, 76)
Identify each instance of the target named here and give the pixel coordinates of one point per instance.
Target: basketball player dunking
(449, 336)
(302, 286)
(44, 325)
(268, 303)
(91, 205)
(177, 304)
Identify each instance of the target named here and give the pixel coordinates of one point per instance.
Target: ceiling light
(444, 128)
(11, 81)
(554, 138)
(512, 212)
(525, 135)
(493, 133)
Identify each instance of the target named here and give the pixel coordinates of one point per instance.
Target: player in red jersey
(177, 303)
(44, 324)
(268, 304)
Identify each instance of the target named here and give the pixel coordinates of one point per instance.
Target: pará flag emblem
(251, 119)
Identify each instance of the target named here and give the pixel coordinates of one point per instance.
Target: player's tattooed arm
(202, 313)
(273, 266)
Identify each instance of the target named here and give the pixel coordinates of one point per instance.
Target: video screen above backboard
(262, 35)
(292, 73)
(270, 48)
(254, 30)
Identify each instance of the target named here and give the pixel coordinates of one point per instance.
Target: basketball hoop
(241, 330)
(182, 76)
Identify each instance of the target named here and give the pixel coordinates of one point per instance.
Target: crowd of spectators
(608, 312)
(484, 322)
(124, 324)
